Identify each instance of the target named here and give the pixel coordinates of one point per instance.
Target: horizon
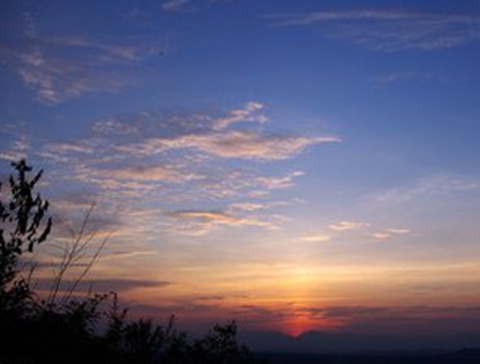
(295, 166)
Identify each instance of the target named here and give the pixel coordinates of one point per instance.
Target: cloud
(148, 173)
(58, 68)
(17, 146)
(238, 184)
(241, 144)
(257, 206)
(130, 254)
(275, 183)
(101, 285)
(398, 231)
(348, 225)
(73, 201)
(316, 238)
(381, 236)
(427, 187)
(388, 233)
(326, 16)
(149, 161)
(59, 150)
(201, 134)
(391, 30)
(150, 148)
(248, 114)
(415, 318)
(55, 80)
(405, 76)
(175, 5)
(9, 156)
(201, 222)
(180, 5)
(12, 155)
(248, 206)
(367, 319)
(215, 218)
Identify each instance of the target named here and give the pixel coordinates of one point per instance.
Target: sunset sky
(296, 165)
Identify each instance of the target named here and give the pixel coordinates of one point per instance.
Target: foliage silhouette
(92, 329)
(20, 232)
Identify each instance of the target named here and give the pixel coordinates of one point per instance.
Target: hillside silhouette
(466, 356)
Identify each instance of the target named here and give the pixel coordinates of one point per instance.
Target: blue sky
(258, 154)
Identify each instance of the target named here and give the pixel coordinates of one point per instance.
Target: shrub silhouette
(93, 329)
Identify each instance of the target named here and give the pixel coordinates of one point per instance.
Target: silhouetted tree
(21, 230)
(220, 346)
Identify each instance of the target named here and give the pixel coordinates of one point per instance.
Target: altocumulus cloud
(45, 66)
(242, 144)
(149, 173)
(348, 225)
(248, 114)
(176, 162)
(200, 222)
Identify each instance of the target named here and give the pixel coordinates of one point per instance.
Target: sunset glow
(294, 165)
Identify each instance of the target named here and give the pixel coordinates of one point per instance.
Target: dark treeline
(81, 329)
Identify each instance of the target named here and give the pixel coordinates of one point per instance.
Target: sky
(296, 165)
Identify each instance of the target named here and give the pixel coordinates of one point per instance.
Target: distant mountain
(319, 342)
(465, 356)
